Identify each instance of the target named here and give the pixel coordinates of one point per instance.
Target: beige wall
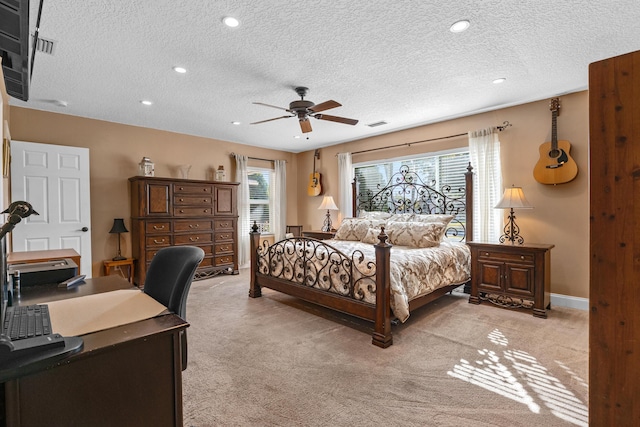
(561, 213)
(116, 150)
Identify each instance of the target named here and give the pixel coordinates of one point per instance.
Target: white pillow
(415, 234)
(445, 219)
(355, 228)
(372, 235)
(374, 215)
(402, 217)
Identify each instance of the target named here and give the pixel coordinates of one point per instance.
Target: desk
(41, 256)
(130, 375)
(109, 264)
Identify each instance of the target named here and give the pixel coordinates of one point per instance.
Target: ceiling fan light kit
(303, 109)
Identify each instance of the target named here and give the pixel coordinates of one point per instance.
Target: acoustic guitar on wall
(315, 187)
(555, 165)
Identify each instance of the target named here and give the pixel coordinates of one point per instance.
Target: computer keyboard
(28, 321)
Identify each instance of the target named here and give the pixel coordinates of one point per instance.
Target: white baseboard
(560, 300)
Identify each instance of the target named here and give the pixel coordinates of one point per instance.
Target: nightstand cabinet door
(490, 276)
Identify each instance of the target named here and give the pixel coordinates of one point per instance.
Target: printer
(41, 273)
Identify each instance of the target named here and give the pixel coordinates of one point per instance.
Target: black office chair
(168, 281)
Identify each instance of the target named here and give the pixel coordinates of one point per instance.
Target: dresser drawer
(206, 262)
(224, 235)
(192, 188)
(506, 256)
(192, 211)
(192, 239)
(154, 227)
(223, 224)
(160, 240)
(193, 225)
(179, 200)
(223, 248)
(223, 260)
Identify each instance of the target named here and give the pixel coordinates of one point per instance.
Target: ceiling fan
(303, 109)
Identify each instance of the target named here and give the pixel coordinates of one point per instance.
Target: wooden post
(468, 209)
(382, 329)
(254, 289)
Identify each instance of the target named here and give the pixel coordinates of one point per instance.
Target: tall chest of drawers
(167, 212)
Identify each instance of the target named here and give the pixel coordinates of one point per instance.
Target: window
(260, 211)
(436, 170)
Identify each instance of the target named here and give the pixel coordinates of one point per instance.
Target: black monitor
(14, 47)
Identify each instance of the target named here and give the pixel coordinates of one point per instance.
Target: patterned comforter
(416, 271)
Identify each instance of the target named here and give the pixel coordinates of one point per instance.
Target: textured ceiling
(393, 61)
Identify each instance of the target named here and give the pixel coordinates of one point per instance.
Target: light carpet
(278, 361)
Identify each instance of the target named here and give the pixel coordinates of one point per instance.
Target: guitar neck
(554, 130)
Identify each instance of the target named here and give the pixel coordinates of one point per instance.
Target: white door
(55, 180)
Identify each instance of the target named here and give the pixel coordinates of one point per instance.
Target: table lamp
(329, 205)
(118, 227)
(513, 198)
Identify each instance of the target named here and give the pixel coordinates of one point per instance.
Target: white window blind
(259, 191)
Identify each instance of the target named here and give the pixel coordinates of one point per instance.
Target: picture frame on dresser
(169, 211)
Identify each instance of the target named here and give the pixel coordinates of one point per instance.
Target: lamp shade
(513, 198)
(118, 226)
(328, 204)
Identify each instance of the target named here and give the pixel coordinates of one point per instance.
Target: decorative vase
(220, 175)
(184, 171)
(146, 167)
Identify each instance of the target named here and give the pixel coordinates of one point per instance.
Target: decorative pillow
(401, 217)
(374, 215)
(354, 228)
(372, 235)
(445, 219)
(415, 234)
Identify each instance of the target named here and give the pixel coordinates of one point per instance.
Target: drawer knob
(206, 211)
(521, 256)
(158, 227)
(486, 254)
(182, 200)
(194, 239)
(205, 200)
(181, 188)
(158, 241)
(181, 211)
(194, 225)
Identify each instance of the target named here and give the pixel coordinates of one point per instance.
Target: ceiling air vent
(45, 45)
(376, 124)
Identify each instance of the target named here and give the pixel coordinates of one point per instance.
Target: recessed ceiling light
(180, 70)
(230, 21)
(297, 137)
(235, 123)
(145, 102)
(500, 80)
(459, 26)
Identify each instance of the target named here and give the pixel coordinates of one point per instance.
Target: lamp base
(118, 258)
(512, 231)
(326, 226)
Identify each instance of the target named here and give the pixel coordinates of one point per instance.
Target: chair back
(170, 275)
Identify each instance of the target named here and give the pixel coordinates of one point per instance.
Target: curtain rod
(505, 125)
(254, 158)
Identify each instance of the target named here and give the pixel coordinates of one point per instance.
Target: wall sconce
(118, 227)
(329, 205)
(513, 198)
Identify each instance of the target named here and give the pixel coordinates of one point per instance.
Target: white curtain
(345, 178)
(279, 199)
(484, 153)
(244, 255)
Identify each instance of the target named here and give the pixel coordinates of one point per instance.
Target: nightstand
(512, 276)
(320, 235)
(109, 264)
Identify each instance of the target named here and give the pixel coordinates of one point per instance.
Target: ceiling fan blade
(272, 106)
(327, 105)
(305, 125)
(336, 119)
(268, 120)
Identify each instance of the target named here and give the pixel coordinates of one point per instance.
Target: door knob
(85, 229)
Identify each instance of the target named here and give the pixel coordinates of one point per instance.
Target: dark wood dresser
(168, 212)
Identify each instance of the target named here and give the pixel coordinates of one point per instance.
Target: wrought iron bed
(315, 271)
